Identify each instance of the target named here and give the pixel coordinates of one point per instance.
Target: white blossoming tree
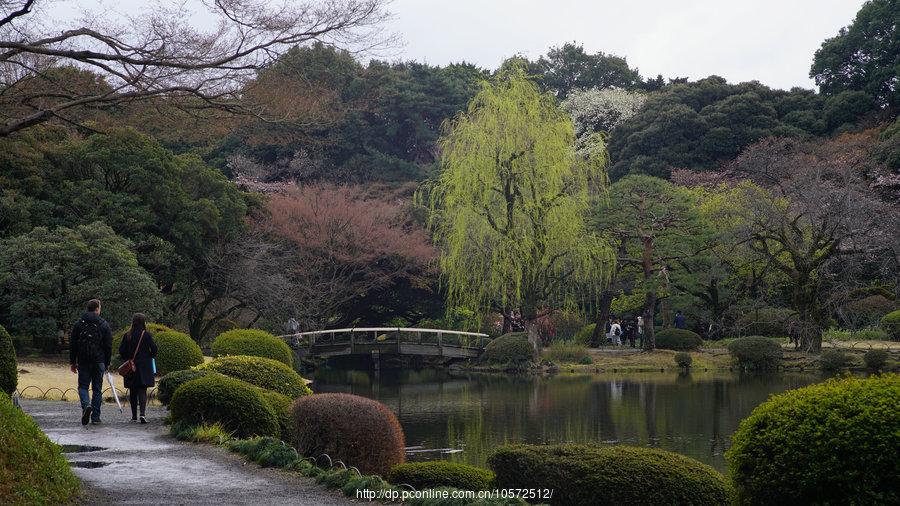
(599, 110)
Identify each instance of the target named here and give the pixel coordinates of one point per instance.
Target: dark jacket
(105, 353)
(143, 376)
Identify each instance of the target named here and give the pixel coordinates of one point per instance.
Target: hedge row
(590, 474)
(239, 407)
(32, 468)
(512, 349)
(262, 372)
(9, 374)
(440, 473)
(756, 352)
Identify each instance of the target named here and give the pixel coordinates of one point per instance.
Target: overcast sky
(772, 41)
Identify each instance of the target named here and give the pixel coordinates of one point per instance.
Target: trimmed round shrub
(32, 469)
(254, 343)
(756, 352)
(678, 340)
(590, 474)
(358, 431)
(875, 359)
(440, 473)
(262, 372)
(170, 382)
(583, 336)
(512, 348)
(9, 373)
(891, 324)
(176, 352)
(828, 443)
(868, 310)
(281, 405)
(236, 405)
(764, 321)
(835, 360)
(683, 359)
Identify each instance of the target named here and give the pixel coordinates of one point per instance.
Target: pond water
(464, 417)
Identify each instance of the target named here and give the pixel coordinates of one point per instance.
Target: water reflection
(692, 414)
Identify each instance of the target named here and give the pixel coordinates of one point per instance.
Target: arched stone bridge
(376, 341)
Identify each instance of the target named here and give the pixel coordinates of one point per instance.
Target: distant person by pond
(139, 347)
(615, 333)
(90, 351)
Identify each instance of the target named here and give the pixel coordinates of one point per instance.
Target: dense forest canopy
(242, 188)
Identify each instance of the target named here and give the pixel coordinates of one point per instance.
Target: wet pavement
(120, 462)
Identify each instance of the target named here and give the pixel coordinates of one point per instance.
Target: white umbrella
(112, 385)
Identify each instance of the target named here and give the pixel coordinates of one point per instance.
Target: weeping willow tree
(508, 208)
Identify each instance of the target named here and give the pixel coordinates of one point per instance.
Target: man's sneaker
(86, 415)
(143, 420)
(96, 422)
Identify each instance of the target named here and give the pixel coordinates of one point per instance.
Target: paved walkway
(142, 464)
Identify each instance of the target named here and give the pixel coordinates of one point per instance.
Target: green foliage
(513, 349)
(169, 383)
(583, 336)
(835, 360)
(343, 425)
(678, 340)
(32, 470)
(569, 67)
(47, 276)
(262, 372)
(585, 474)
(214, 433)
(281, 405)
(440, 473)
(764, 321)
(566, 352)
(508, 207)
(828, 443)
(863, 56)
(266, 451)
(891, 323)
(176, 352)
(867, 311)
(683, 360)
(237, 406)
(875, 359)
(586, 360)
(703, 123)
(9, 371)
(252, 342)
(756, 352)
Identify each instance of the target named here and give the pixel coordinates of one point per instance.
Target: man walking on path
(90, 351)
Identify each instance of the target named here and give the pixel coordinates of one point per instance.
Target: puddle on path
(89, 464)
(80, 448)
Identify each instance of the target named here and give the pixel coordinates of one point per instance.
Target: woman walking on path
(138, 345)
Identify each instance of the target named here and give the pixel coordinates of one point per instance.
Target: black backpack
(90, 339)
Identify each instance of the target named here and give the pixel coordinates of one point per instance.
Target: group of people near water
(90, 356)
(620, 331)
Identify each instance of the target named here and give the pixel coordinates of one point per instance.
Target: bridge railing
(400, 335)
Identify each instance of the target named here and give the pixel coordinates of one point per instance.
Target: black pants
(135, 396)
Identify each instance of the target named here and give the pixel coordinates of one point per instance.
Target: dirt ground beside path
(142, 464)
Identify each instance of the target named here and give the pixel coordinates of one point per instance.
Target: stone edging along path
(123, 463)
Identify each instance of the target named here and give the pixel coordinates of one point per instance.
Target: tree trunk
(606, 298)
(649, 341)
